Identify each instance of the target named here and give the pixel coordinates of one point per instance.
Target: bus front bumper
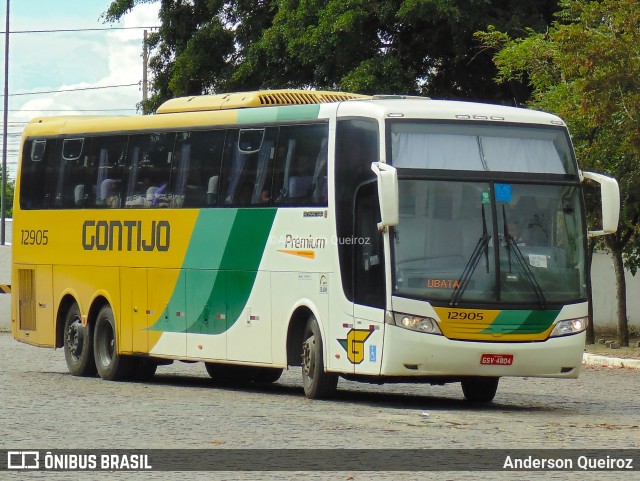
(410, 353)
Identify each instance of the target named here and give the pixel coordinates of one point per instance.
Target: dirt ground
(633, 351)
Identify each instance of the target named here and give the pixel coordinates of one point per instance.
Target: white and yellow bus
(378, 239)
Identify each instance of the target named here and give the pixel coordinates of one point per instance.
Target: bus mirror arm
(387, 195)
(610, 201)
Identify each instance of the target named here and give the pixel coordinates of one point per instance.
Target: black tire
(232, 374)
(317, 383)
(225, 373)
(78, 344)
(480, 389)
(266, 375)
(111, 366)
(144, 369)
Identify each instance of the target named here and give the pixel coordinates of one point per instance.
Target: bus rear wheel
(316, 381)
(78, 344)
(111, 366)
(143, 369)
(480, 389)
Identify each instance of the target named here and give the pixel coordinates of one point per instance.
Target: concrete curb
(605, 361)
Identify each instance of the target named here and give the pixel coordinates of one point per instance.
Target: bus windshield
(480, 147)
(489, 242)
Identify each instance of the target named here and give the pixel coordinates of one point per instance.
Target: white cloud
(77, 61)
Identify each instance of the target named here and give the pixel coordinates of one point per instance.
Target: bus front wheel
(78, 345)
(316, 381)
(480, 389)
(111, 365)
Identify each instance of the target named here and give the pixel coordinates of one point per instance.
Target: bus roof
(264, 98)
(424, 108)
(293, 105)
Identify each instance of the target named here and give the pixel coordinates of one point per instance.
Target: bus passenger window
(105, 167)
(248, 167)
(301, 166)
(71, 174)
(36, 173)
(148, 169)
(195, 168)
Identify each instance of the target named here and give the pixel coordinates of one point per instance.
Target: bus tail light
(570, 326)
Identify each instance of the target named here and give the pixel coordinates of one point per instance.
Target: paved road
(46, 408)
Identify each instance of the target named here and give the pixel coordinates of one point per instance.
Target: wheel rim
(308, 357)
(106, 343)
(75, 339)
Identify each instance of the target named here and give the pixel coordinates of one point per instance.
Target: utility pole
(4, 130)
(145, 60)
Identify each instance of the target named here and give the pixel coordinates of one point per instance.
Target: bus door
(153, 312)
(367, 335)
(207, 314)
(133, 326)
(249, 334)
(167, 311)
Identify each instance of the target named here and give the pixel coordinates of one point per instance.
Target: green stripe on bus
(224, 254)
(278, 114)
(522, 322)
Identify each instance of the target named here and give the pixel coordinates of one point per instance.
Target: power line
(74, 90)
(106, 29)
(72, 110)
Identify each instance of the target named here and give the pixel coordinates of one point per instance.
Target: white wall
(5, 277)
(603, 282)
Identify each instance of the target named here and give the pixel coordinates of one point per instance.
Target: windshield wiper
(482, 246)
(517, 253)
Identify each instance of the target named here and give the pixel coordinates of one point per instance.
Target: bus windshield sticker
(538, 260)
(503, 193)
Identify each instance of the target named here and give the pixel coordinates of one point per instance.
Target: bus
(373, 238)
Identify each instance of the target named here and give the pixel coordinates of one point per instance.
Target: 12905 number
(34, 237)
(465, 315)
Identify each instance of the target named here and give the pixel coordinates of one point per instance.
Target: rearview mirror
(387, 194)
(610, 202)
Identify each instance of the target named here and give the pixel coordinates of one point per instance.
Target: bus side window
(369, 282)
(105, 168)
(301, 166)
(70, 174)
(148, 170)
(36, 173)
(247, 170)
(196, 168)
(356, 147)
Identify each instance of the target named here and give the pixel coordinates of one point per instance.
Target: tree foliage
(586, 68)
(421, 47)
(8, 205)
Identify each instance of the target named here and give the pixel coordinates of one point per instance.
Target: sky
(53, 61)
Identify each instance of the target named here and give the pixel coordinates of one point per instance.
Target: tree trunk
(591, 328)
(621, 297)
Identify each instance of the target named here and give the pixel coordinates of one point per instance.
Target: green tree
(586, 68)
(8, 206)
(421, 47)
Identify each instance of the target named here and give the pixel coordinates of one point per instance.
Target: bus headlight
(416, 323)
(570, 326)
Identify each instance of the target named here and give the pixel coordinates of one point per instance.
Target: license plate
(497, 359)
